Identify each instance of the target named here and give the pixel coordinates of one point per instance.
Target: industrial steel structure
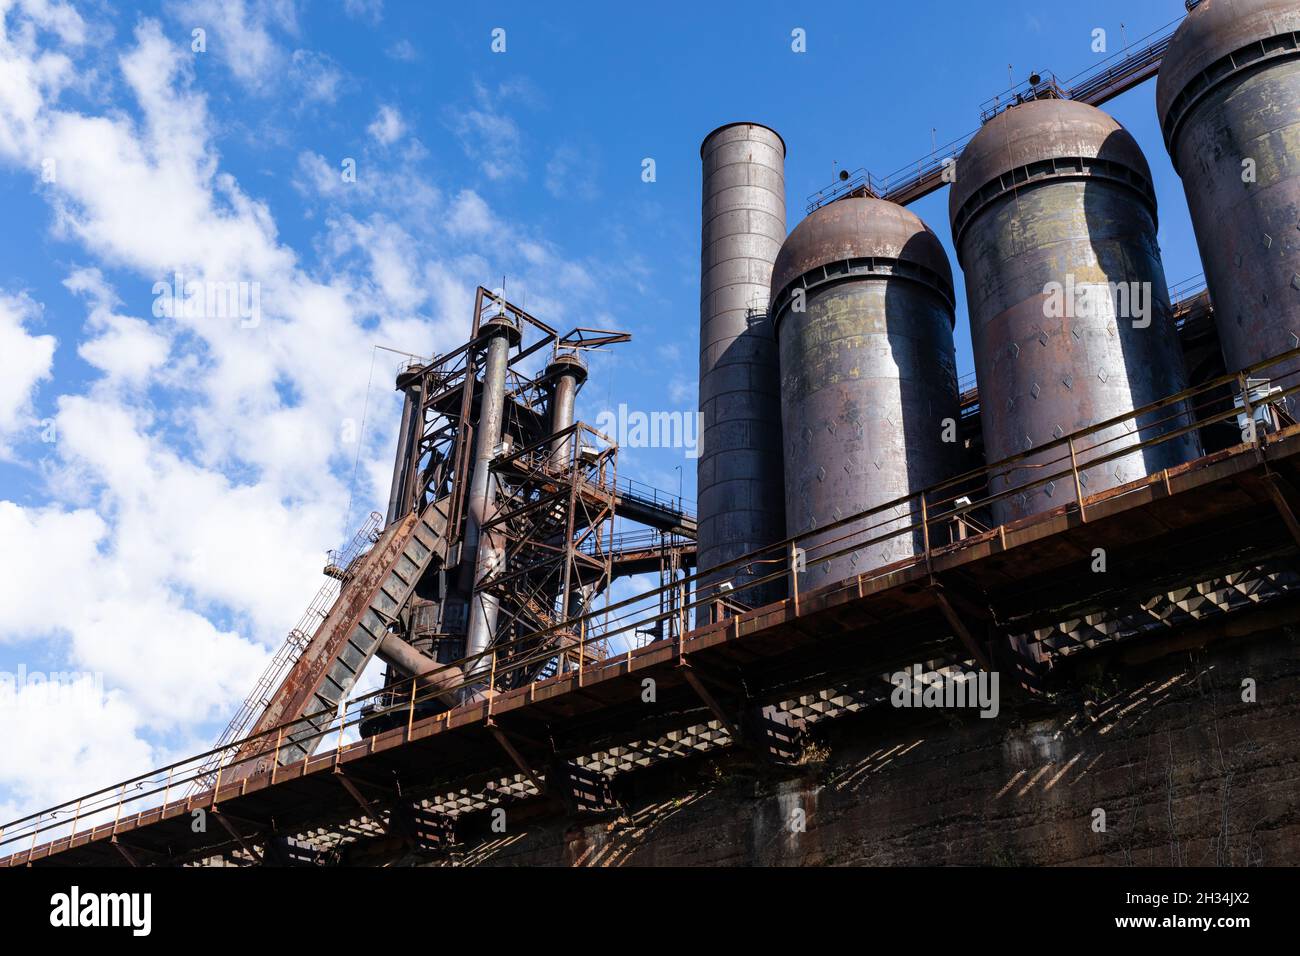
(1228, 98)
(739, 469)
(1054, 220)
(862, 302)
(859, 509)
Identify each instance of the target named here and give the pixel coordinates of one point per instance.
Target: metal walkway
(1215, 538)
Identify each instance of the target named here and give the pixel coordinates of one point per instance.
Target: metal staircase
(375, 587)
(297, 640)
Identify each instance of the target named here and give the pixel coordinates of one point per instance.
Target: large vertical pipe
(1229, 103)
(569, 372)
(402, 461)
(741, 498)
(485, 550)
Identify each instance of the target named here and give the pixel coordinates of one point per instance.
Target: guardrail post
(682, 612)
(275, 757)
(410, 717)
(76, 815)
(121, 798)
(925, 534)
(1078, 486)
(794, 576)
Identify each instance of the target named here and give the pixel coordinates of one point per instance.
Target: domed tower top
(1220, 38)
(861, 229)
(1043, 139)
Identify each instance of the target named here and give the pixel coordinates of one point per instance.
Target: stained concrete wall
(1185, 770)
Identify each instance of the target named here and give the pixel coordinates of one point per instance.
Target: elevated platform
(1223, 514)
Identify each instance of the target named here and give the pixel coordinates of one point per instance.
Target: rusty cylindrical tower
(862, 301)
(1054, 222)
(567, 371)
(484, 551)
(1229, 103)
(739, 469)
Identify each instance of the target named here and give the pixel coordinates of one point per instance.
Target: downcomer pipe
(569, 372)
(486, 550)
(406, 438)
(739, 472)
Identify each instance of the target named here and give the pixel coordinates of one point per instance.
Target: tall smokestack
(741, 495)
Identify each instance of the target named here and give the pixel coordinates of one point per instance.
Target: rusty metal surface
(1214, 30)
(743, 225)
(295, 693)
(1053, 214)
(483, 551)
(868, 376)
(1219, 114)
(442, 753)
(569, 372)
(1038, 134)
(399, 493)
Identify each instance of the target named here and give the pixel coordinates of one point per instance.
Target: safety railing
(931, 517)
(1180, 293)
(650, 495)
(338, 562)
(1133, 63)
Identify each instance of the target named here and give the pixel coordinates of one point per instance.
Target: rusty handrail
(777, 555)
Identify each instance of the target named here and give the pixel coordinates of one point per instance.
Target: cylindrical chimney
(741, 498)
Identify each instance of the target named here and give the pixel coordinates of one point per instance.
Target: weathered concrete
(1186, 772)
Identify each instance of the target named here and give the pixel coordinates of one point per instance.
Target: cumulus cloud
(243, 34)
(201, 471)
(25, 360)
(127, 350)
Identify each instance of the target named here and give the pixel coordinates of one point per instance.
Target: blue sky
(168, 484)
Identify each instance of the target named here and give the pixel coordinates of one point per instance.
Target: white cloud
(371, 10)
(388, 126)
(570, 174)
(242, 34)
(193, 522)
(25, 360)
(80, 739)
(403, 50)
(316, 75)
(489, 135)
(127, 350)
(470, 215)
